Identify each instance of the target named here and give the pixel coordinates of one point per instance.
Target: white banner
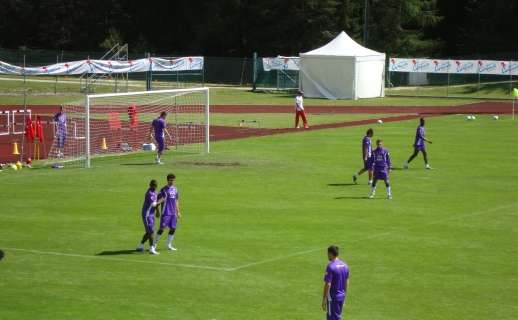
(107, 66)
(453, 66)
(281, 63)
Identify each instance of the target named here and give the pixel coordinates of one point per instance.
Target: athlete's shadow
(1, 254)
(352, 197)
(116, 252)
(340, 184)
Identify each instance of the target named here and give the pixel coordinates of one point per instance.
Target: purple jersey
(337, 273)
(171, 196)
(366, 145)
(149, 198)
(380, 160)
(159, 125)
(419, 137)
(61, 124)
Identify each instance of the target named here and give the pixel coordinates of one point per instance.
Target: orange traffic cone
(103, 145)
(15, 148)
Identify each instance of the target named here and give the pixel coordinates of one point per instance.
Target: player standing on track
(381, 165)
(419, 145)
(148, 217)
(299, 110)
(336, 281)
(170, 211)
(367, 152)
(158, 126)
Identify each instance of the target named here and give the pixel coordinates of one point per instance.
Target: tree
(113, 38)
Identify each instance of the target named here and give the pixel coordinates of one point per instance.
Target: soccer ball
(470, 117)
(18, 165)
(13, 166)
(380, 121)
(495, 117)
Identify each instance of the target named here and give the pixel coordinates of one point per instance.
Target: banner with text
(454, 66)
(281, 63)
(106, 66)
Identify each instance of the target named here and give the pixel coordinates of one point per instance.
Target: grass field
(41, 91)
(258, 214)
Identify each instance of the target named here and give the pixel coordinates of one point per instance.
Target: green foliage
(113, 38)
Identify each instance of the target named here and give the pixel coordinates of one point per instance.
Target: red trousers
(301, 114)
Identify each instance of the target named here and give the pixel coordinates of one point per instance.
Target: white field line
(378, 235)
(181, 265)
(252, 264)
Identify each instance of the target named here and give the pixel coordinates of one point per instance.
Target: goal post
(114, 124)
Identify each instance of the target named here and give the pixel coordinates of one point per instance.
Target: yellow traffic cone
(103, 145)
(15, 148)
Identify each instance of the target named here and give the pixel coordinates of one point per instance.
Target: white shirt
(299, 103)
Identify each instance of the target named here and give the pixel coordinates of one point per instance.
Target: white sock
(156, 239)
(170, 239)
(370, 181)
(373, 191)
(389, 193)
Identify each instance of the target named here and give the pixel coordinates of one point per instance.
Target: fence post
(448, 81)
(148, 75)
(510, 77)
(254, 71)
(56, 83)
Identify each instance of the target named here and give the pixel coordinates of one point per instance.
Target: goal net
(112, 124)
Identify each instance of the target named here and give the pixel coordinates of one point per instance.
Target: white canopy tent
(342, 69)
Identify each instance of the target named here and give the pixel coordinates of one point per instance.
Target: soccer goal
(119, 123)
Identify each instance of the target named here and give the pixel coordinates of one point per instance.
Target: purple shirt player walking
(158, 129)
(170, 211)
(148, 217)
(336, 280)
(366, 154)
(419, 145)
(381, 166)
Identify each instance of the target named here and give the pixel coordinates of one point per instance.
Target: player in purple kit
(336, 281)
(419, 145)
(381, 165)
(158, 128)
(148, 217)
(367, 151)
(170, 211)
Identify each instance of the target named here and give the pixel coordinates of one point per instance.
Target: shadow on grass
(357, 198)
(1, 254)
(340, 184)
(116, 252)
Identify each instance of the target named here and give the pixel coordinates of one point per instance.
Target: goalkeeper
(159, 127)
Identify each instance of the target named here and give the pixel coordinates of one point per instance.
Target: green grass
(46, 91)
(495, 90)
(443, 248)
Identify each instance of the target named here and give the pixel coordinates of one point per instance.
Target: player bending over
(170, 211)
(159, 127)
(419, 145)
(336, 281)
(148, 217)
(367, 152)
(381, 165)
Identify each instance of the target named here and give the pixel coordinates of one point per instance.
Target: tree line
(425, 28)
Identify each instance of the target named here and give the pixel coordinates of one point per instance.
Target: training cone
(103, 145)
(15, 148)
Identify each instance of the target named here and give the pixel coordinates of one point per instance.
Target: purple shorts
(367, 165)
(334, 310)
(381, 175)
(420, 148)
(168, 221)
(149, 223)
(61, 140)
(160, 143)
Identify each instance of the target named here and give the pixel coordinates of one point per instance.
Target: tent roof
(342, 46)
